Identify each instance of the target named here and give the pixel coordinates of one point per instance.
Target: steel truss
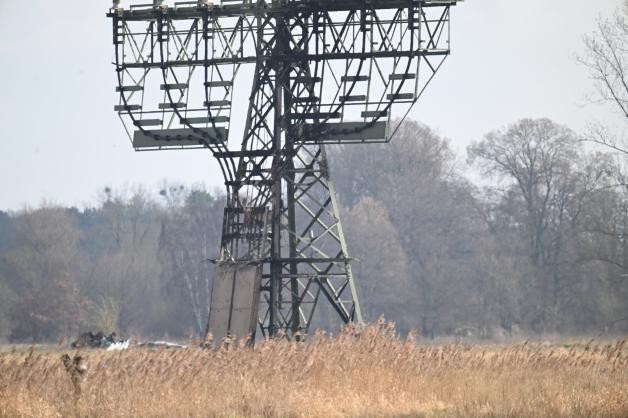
(325, 72)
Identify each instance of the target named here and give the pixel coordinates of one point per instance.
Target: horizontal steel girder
(291, 7)
(291, 58)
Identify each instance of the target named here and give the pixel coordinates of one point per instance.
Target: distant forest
(537, 244)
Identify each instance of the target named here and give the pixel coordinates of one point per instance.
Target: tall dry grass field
(375, 374)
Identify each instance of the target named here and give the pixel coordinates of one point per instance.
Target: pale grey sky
(61, 141)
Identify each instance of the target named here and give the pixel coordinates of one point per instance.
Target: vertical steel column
(295, 319)
(279, 52)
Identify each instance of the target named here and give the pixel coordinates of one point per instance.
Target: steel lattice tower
(325, 72)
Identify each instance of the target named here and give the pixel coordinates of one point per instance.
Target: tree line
(130, 264)
(538, 243)
(541, 248)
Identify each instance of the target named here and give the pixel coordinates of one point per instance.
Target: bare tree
(414, 179)
(546, 183)
(43, 266)
(606, 57)
(190, 233)
(606, 249)
(124, 270)
(381, 264)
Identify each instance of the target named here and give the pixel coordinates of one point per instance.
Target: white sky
(61, 141)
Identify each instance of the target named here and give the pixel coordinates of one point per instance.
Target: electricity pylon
(324, 72)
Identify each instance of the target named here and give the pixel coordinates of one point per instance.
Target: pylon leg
(316, 268)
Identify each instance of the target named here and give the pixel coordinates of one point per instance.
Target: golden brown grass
(373, 375)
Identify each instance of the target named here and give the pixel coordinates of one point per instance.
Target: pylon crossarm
(353, 32)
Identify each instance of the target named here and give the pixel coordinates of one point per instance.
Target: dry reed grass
(374, 375)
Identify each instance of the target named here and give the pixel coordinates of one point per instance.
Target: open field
(373, 375)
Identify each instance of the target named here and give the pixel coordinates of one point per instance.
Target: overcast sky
(61, 141)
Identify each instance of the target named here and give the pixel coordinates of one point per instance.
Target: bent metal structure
(323, 72)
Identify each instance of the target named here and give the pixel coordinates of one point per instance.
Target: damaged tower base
(235, 300)
(234, 309)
